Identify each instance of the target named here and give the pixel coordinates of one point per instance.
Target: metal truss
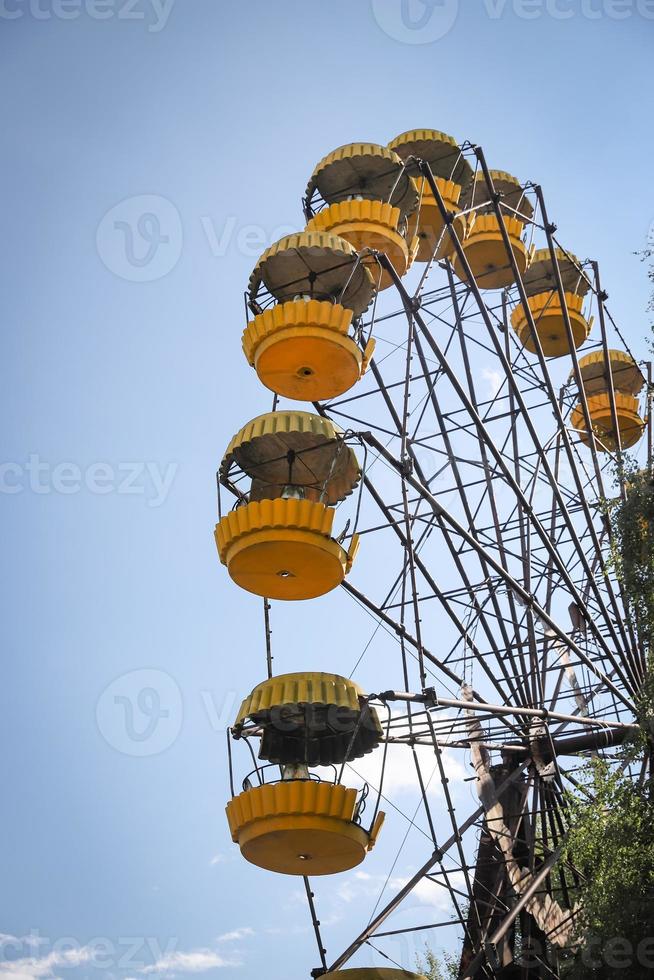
(511, 628)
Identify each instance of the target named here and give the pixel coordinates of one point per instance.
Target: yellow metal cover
(315, 264)
(295, 313)
(298, 689)
(428, 224)
(486, 253)
(375, 212)
(506, 184)
(283, 549)
(440, 151)
(539, 277)
(630, 424)
(323, 461)
(302, 350)
(627, 376)
(368, 224)
(366, 170)
(299, 827)
(316, 718)
(550, 323)
(302, 515)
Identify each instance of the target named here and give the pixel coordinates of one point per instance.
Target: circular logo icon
(140, 239)
(141, 712)
(416, 21)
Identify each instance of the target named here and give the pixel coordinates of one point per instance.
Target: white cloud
(286, 931)
(169, 964)
(36, 967)
(494, 379)
(362, 887)
(400, 773)
(32, 940)
(235, 934)
(197, 961)
(437, 896)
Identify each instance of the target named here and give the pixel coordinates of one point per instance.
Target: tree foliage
(433, 967)
(648, 256)
(611, 842)
(611, 837)
(632, 527)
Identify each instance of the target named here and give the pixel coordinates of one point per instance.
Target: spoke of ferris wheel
(550, 829)
(436, 858)
(507, 709)
(410, 557)
(516, 674)
(485, 436)
(543, 364)
(508, 579)
(538, 690)
(447, 606)
(614, 420)
(584, 400)
(489, 492)
(577, 744)
(401, 631)
(474, 601)
(423, 569)
(416, 762)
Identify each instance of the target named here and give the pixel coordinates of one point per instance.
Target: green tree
(648, 256)
(434, 968)
(611, 841)
(611, 819)
(632, 531)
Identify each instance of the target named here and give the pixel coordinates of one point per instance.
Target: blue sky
(124, 381)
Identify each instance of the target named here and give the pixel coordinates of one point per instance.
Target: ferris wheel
(483, 507)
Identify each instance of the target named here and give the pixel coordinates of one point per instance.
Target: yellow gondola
(544, 304)
(483, 242)
(302, 825)
(452, 173)
(318, 719)
(278, 543)
(368, 196)
(628, 381)
(630, 424)
(304, 347)
(625, 373)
